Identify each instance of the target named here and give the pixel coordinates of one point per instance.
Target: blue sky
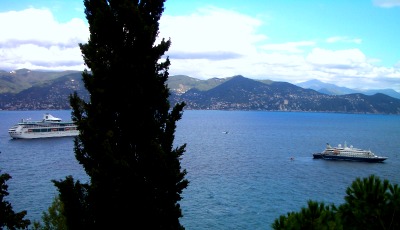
(347, 43)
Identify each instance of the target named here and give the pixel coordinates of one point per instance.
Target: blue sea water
(245, 168)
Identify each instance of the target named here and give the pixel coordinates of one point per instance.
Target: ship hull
(317, 155)
(348, 158)
(26, 135)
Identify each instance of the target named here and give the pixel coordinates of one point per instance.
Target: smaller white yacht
(348, 154)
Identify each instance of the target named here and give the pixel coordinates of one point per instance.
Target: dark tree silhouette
(127, 127)
(315, 216)
(8, 218)
(369, 204)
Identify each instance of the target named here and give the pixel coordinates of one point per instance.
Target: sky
(355, 44)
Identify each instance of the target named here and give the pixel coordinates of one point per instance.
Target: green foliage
(8, 218)
(127, 127)
(315, 216)
(54, 218)
(370, 204)
(73, 196)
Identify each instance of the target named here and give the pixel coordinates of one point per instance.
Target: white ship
(348, 154)
(48, 127)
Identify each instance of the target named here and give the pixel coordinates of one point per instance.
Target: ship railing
(361, 154)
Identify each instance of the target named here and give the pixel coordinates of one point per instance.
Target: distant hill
(332, 89)
(48, 94)
(240, 93)
(179, 84)
(18, 80)
(51, 90)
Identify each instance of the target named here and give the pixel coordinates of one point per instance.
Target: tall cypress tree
(8, 218)
(127, 128)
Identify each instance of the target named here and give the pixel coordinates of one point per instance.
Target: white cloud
(291, 47)
(351, 68)
(34, 39)
(211, 30)
(341, 59)
(386, 3)
(343, 39)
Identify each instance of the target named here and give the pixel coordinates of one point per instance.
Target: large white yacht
(48, 127)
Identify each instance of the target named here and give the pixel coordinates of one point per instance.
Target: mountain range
(240, 93)
(35, 90)
(332, 89)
